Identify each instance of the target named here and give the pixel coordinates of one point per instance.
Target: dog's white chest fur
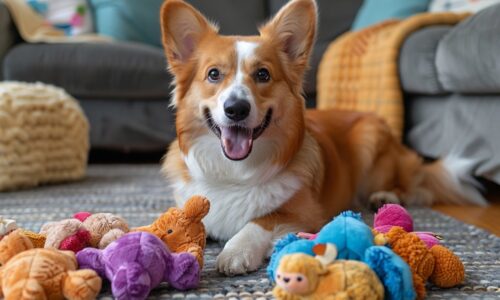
(239, 191)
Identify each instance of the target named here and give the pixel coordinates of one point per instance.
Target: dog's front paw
(378, 199)
(246, 251)
(235, 260)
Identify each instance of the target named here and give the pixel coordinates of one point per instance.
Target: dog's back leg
(389, 172)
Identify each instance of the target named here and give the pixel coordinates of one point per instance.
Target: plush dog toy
(438, 264)
(139, 261)
(83, 230)
(391, 215)
(301, 276)
(30, 273)
(354, 241)
(181, 229)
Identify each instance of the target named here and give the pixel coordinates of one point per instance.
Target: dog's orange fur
(356, 154)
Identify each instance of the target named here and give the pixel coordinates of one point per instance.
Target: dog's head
(240, 88)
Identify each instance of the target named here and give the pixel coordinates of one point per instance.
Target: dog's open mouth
(237, 141)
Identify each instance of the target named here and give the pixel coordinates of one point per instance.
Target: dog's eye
(214, 75)
(262, 75)
(170, 231)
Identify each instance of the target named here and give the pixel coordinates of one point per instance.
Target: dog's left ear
(294, 28)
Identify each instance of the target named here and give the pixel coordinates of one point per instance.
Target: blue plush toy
(354, 241)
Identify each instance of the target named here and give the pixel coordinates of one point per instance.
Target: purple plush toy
(138, 262)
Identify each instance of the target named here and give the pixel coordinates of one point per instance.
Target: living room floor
(485, 217)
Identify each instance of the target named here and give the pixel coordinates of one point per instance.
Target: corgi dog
(269, 166)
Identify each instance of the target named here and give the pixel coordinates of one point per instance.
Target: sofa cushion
(133, 125)
(375, 11)
(93, 70)
(468, 57)
(335, 18)
(128, 20)
(417, 61)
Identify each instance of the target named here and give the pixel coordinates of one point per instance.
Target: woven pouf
(44, 136)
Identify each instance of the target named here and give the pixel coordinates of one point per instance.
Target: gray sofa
(450, 76)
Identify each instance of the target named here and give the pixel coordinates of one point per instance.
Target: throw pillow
(129, 20)
(460, 5)
(72, 16)
(375, 11)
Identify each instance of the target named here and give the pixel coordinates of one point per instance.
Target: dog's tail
(449, 180)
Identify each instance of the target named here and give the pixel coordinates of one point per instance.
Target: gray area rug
(140, 194)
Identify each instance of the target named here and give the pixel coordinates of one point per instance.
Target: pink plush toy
(391, 215)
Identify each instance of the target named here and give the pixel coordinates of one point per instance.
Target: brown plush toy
(31, 273)
(104, 228)
(301, 276)
(182, 229)
(438, 264)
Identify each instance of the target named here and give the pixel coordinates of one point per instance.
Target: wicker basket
(44, 136)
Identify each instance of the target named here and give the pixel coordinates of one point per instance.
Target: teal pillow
(375, 11)
(129, 20)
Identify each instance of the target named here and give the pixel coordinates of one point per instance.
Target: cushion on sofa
(375, 11)
(417, 61)
(468, 57)
(72, 16)
(128, 20)
(93, 70)
(133, 125)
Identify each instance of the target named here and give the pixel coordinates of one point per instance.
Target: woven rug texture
(140, 194)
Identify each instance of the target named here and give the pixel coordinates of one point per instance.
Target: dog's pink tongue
(236, 142)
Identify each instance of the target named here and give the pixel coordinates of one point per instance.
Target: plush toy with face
(301, 276)
(354, 241)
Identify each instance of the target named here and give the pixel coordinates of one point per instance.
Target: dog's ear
(294, 28)
(182, 29)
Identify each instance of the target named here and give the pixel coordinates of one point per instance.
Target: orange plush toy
(182, 229)
(438, 264)
(31, 273)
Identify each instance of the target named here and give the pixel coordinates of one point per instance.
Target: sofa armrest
(7, 34)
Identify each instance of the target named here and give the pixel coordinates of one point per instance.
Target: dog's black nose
(236, 109)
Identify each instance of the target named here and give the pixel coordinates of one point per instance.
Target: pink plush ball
(391, 215)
